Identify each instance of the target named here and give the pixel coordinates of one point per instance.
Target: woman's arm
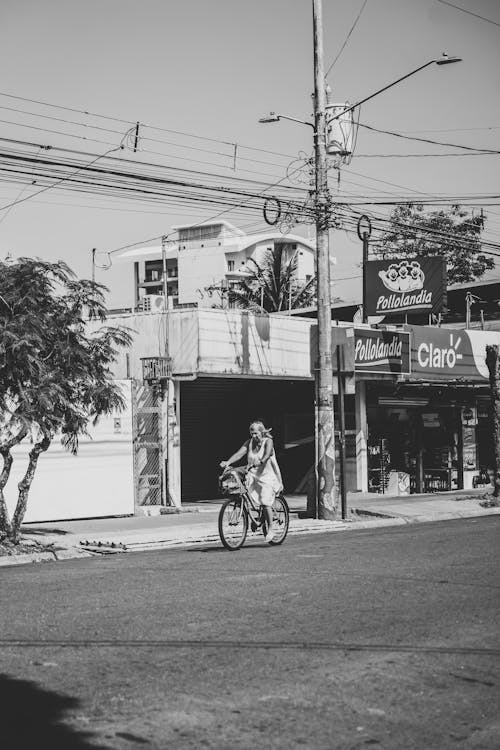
(235, 457)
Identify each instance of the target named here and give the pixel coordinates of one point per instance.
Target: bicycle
(240, 511)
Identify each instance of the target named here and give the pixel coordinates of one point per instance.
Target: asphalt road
(386, 638)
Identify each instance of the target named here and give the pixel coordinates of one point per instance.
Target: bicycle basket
(229, 485)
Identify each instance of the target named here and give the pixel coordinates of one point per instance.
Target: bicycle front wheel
(233, 524)
(281, 520)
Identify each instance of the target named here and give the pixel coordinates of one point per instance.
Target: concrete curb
(69, 553)
(29, 557)
(312, 526)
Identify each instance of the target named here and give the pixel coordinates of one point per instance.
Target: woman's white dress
(263, 482)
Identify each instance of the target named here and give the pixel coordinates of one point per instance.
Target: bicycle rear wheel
(233, 524)
(281, 520)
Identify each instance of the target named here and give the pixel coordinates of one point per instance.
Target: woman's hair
(266, 431)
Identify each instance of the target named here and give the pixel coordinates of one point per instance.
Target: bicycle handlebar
(237, 469)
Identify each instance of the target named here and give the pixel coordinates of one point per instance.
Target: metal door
(148, 471)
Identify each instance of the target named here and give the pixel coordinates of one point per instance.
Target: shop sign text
(444, 354)
(403, 286)
(381, 351)
(439, 357)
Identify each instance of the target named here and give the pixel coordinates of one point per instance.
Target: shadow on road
(34, 531)
(33, 717)
(251, 545)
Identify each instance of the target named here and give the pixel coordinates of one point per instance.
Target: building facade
(207, 257)
(416, 408)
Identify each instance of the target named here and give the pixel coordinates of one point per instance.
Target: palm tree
(272, 285)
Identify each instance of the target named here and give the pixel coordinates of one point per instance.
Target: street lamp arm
(274, 117)
(294, 119)
(439, 61)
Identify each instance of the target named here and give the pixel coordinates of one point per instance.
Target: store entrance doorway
(412, 449)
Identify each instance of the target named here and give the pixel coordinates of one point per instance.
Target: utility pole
(325, 437)
(493, 365)
(166, 388)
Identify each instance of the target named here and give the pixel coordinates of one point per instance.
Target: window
(230, 265)
(193, 234)
(153, 270)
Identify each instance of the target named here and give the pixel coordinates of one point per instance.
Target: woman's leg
(268, 514)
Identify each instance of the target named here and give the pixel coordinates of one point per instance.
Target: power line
(143, 124)
(347, 38)
(469, 12)
(227, 155)
(453, 130)
(63, 179)
(205, 221)
(427, 140)
(424, 156)
(149, 151)
(154, 165)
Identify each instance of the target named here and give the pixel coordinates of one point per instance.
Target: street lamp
(273, 117)
(324, 502)
(443, 60)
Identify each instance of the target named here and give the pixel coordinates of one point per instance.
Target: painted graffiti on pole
(405, 285)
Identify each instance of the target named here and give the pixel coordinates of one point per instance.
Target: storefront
(430, 431)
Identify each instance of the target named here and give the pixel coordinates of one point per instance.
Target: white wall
(97, 482)
(198, 268)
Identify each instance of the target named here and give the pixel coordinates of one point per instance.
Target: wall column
(361, 437)
(173, 448)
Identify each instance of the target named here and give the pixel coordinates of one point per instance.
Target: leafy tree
(54, 375)
(452, 233)
(273, 285)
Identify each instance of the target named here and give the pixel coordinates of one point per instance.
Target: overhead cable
(347, 38)
(469, 12)
(428, 140)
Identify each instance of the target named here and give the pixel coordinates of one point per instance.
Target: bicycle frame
(247, 504)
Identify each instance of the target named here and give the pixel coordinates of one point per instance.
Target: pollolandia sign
(450, 354)
(405, 285)
(370, 350)
(381, 351)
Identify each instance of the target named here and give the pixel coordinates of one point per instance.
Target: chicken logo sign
(403, 286)
(403, 277)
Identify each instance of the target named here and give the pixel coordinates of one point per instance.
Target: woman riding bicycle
(263, 480)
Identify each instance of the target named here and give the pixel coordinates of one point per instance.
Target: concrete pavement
(198, 525)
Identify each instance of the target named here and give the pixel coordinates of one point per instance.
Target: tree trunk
(24, 487)
(5, 448)
(5, 524)
(493, 364)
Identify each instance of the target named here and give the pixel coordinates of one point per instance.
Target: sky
(210, 69)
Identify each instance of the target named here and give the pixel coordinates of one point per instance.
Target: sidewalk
(198, 525)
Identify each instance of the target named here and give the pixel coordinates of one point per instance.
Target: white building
(208, 255)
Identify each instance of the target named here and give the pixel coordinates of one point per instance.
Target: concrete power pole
(325, 435)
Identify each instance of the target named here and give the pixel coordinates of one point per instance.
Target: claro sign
(430, 355)
(418, 353)
(446, 354)
(404, 286)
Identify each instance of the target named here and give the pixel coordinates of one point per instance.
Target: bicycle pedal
(253, 526)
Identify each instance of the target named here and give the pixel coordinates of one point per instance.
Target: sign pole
(340, 378)
(365, 261)
(364, 232)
